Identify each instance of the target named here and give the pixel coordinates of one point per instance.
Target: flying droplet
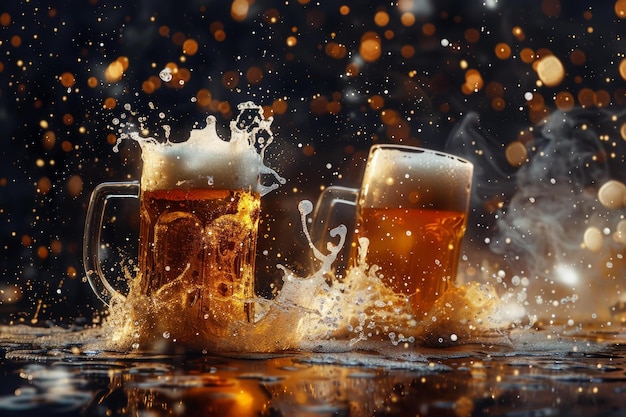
(166, 75)
(305, 207)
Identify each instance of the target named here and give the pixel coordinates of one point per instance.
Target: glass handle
(93, 231)
(335, 206)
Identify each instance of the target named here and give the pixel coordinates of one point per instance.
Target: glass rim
(418, 149)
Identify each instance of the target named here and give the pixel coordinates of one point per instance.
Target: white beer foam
(420, 176)
(205, 160)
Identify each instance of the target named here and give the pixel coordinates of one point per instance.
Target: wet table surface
(548, 373)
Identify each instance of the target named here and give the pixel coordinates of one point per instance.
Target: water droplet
(166, 75)
(305, 207)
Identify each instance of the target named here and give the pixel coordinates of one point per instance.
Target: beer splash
(311, 314)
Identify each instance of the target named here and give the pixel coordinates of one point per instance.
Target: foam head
(203, 161)
(207, 161)
(403, 176)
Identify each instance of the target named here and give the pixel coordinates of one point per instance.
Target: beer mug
(412, 207)
(199, 215)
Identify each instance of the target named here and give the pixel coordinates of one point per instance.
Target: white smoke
(549, 206)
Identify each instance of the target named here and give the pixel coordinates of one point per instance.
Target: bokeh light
(550, 70)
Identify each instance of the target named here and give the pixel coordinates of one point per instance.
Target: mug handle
(93, 231)
(336, 205)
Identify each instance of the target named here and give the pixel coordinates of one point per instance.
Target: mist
(555, 241)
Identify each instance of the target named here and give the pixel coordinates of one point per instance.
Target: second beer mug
(412, 207)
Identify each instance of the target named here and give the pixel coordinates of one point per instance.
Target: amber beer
(416, 250)
(199, 204)
(412, 206)
(204, 240)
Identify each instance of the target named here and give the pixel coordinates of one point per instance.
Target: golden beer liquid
(416, 250)
(199, 246)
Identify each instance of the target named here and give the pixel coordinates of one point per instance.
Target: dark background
(302, 61)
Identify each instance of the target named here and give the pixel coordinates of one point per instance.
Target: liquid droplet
(166, 75)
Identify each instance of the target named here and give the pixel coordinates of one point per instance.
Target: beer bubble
(166, 335)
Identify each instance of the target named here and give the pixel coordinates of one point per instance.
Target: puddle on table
(547, 372)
